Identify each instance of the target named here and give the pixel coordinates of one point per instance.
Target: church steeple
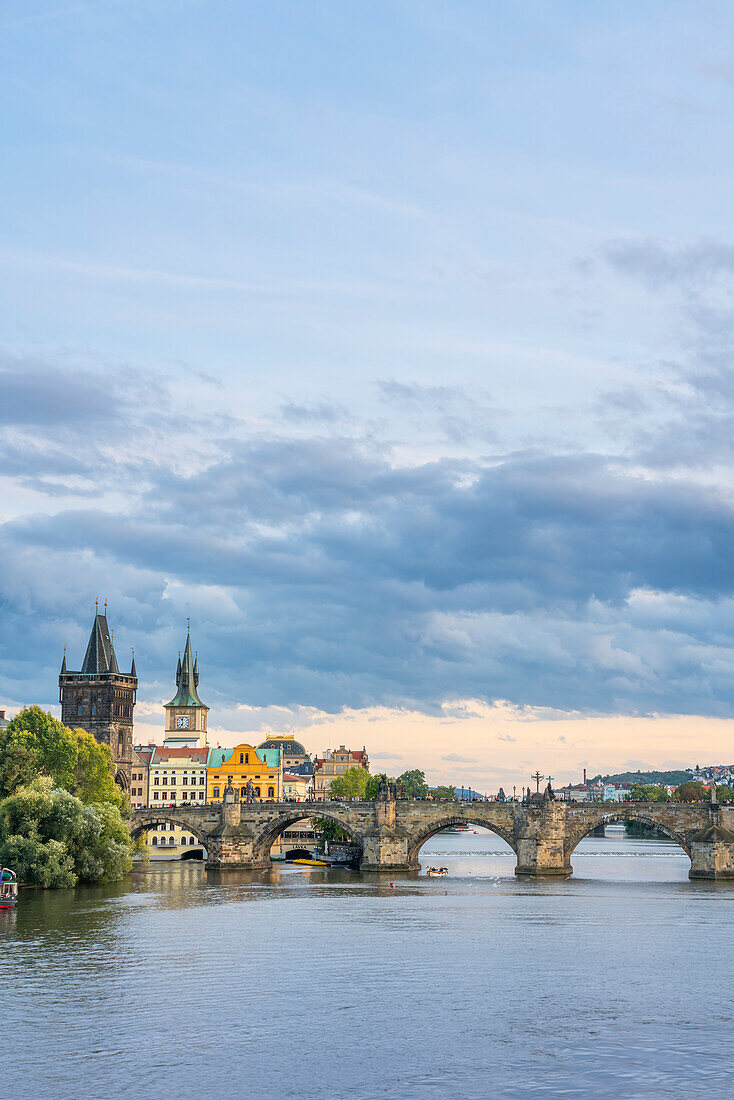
(186, 710)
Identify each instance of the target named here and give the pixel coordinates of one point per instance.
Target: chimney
(584, 776)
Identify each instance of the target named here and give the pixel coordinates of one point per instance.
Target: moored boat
(437, 872)
(8, 888)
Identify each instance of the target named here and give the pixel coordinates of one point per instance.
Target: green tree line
(357, 783)
(62, 816)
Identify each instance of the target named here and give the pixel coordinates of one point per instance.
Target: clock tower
(186, 714)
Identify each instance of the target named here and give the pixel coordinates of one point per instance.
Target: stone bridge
(542, 834)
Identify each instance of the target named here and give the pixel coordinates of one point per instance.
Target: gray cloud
(660, 263)
(454, 758)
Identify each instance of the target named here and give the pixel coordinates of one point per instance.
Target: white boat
(437, 872)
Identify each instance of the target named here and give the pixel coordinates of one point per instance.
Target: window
(191, 840)
(156, 780)
(185, 780)
(184, 840)
(247, 758)
(242, 758)
(271, 792)
(155, 795)
(79, 709)
(163, 840)
(165, 781)
(257, 792)
(171, 840)
(201, 794)
(202, 780)
(154, 841)
(94, 709)
(243, 792)
(215, 792)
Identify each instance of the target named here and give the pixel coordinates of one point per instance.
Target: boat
(437, 872)
(312, 862)
(456, 829)
(8, 888)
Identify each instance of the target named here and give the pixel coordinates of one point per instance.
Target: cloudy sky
(391, 343)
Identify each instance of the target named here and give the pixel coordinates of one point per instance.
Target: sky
(390, 343)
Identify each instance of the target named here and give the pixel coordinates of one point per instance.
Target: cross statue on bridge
(537, 777)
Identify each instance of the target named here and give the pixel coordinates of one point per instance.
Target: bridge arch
(301, 811)
(153, 820)
(630, 813)
(417, 840)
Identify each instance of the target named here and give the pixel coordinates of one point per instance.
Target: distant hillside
(647, 778)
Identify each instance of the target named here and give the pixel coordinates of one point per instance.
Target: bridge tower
(186, 714)
(100, 699)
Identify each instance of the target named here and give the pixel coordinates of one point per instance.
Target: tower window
(247, 758)
(79, 709)
(94, 709)
(242, 758)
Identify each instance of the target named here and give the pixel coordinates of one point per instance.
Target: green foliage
(352, 784)
(51, 838)
(724, 794)
(34, 743)
(643, 779)
(651, 793)
(329, 830)
(441, 794)
(374, 783)
(692, 791)
(414, 784)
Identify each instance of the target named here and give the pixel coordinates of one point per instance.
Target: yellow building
(243, 763)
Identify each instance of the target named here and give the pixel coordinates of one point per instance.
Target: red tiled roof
(162, 754)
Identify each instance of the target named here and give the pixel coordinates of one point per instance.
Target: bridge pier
(385, 847)
(541, 841)
(712, 848)
(231, 844)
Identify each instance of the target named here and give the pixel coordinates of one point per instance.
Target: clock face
(183, 722)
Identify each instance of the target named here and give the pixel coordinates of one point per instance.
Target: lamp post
(513, 793)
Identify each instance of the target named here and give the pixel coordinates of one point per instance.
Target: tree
(414, 784)
(53, 839)
(444, 794)
(375, 784)
(692, 791)
(34, 743)
(329, 830)
(648, 793)
(724, 794)
(352, 784)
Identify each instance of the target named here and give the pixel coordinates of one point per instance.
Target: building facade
(139, 776)
(100, 699)
(240, 765)
(333, 763)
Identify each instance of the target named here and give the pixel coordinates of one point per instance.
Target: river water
(315, 983)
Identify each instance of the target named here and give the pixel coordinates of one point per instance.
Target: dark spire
(196, 671)
(187, 678)
(100, 656)
(178, 670)
(132, 667)
(63, 663)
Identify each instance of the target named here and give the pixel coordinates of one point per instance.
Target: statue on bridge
(229, 794)
(388, 790)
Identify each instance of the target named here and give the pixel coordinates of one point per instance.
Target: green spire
(187, 678)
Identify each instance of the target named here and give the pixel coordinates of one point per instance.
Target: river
(315, 983)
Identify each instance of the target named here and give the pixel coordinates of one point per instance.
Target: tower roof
(186, 681)
(100, 656)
